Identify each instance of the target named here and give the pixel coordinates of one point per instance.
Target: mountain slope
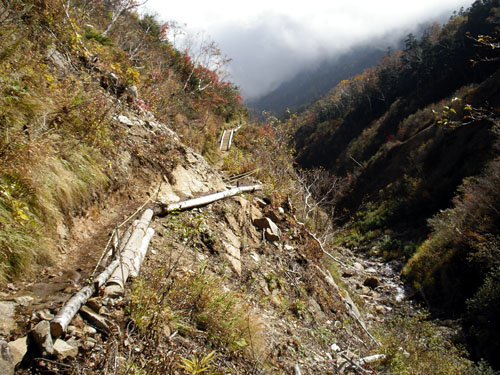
(308, 86)
(413, 136)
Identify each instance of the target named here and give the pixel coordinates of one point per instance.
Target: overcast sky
(271, 40)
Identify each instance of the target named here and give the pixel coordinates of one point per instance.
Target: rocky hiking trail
(296, 312)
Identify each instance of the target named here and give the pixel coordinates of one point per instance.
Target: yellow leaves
(49, 77)
(132, 76)
(18, 209)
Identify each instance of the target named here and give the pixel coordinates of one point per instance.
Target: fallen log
(164, 209)
(61, 321)
(141, 253)
(129, 253)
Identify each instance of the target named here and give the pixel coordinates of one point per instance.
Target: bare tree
(118, 7)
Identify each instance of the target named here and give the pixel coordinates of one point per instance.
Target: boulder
(358, 266)
(272, 232)
(95, 319)
(63, 350)
(272, 235)
(6, 360)
(273, 216)
(42, 338)
(7, 320)
(18, 349)
(255, 214)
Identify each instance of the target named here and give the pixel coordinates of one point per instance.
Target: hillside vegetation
(416, 139)
(66, 70)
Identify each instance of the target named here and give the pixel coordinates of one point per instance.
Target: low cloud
(271, 41)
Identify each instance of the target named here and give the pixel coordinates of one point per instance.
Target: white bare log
(202, 201)
(120, 275)
(141, 254)
(119, 243)
(61, 321)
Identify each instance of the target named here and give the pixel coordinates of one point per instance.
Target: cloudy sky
(271, 40)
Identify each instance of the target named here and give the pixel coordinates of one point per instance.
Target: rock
(23, 300)
(125, 120)
(87, 344)
(233, 239)
(358, 266)
(63, 350)
(335, 348)
(132, 95)
(371, 270)
(281, 210)
(42, 338)
(233, 255)
(45, 314)
(255, 214)
(272, 232)
(348, 273)
(6, 359)
(263, 223)
(260, 202)
(74, 331)
(242, 201)
(273, 216)
(95, 304)
(7, 320)
(18, 349)
(255, 257)
(95, 319)
(272, 235)
(289, 248)
(380, 309)
(58, 59)
(372, 282)
(104, 310)
(88, 330)
(371, 358)
(231, 221)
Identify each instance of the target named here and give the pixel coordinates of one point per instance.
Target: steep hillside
(66, 74)
(416, 139)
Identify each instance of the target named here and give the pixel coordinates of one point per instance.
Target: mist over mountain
(315, 80)
(309, 85)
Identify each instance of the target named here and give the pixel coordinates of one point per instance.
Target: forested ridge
(416, 139)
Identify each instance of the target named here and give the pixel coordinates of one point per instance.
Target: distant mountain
(309, 85)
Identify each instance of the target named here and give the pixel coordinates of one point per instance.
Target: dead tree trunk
(61, 321)
(202, 201)
(59, 324)
(117, 281)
